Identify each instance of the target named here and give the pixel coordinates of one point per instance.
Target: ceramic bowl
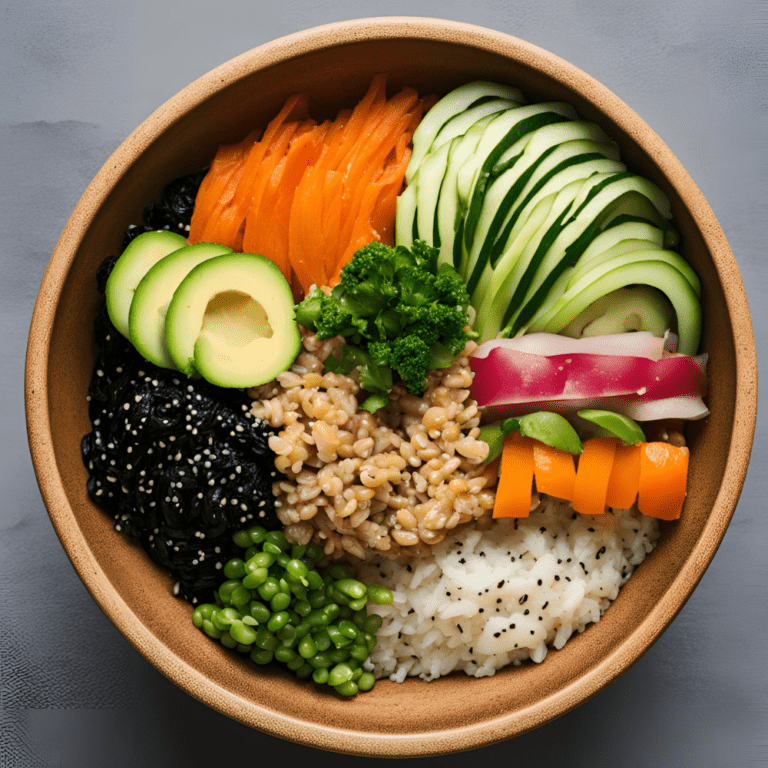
(335, 64)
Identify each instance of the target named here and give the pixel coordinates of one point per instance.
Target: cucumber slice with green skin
(232, 320)
(557, 181)
(459, 124)
(153, 295)
(452, 104)
(642, 252)
(448, 209)
(634, 308)
(405, 213)
(496, 285)
(513, 190)
(430, 179)
(536, 251)
(614, 425)
(510, 128)
(659, 274)
(551, 303)
(486, 163)
(136, 260)
(599, 205)
(613, 234)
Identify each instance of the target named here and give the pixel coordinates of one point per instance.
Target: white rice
(501, 596)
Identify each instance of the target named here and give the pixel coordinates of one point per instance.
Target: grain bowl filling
(434, 355)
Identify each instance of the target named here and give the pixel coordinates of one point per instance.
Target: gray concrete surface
(77, 77)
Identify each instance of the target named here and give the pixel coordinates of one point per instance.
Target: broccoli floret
(398, 313)
(409, 357)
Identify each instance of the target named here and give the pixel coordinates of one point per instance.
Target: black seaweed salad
(179, 463)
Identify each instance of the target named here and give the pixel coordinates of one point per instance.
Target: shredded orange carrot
(218, 186)
(513, 495)
(625, 477)
(307, 196)
(663, 478)
(554, 470)
(593, 474)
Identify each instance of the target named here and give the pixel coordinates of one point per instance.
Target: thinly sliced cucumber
(659, 274)
(539, 163)
(459, 124)
(557, 181)
(448, 211)
(492, 297)
(431, 174)
(613, 241)
(504, 132)
(452, 104)
(596, 208)
(405, 215)
(552, 302)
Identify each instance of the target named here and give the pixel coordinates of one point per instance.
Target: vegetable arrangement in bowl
(430, 314)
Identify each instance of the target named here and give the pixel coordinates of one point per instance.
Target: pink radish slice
(508, 377)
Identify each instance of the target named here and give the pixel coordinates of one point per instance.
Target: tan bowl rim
(110, 601)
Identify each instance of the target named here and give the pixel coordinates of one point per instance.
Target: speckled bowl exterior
(334, 64)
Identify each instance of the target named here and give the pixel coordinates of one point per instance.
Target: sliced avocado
(635, 308)
(136, 260)
(232, 320)
(146, 320)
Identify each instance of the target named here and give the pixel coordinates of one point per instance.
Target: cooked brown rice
(355, 482)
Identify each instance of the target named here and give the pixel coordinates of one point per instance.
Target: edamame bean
(366, 681)
(348, 629)
(320, 676)
(242, 633)
(307, 647)
(372, 623)
(260, 612)
(337, 655)
(278, 538)
(255, 578)
(242, 539)
(357, 605)
(298, 551)
(352, 588)
(280, 602)
(285, 654)
(278, 621)
(340, 674)
(234, 569)
(211, 630)
(261, 656)
(295, 663)
(257, 534)
(241, 598)
(321, 660)
(359, 651)
(226, 590)
(346, 689)
(269, 588)
(315, 580)
(379, 595)
(266, 639)
(321, 638)
(228, 641)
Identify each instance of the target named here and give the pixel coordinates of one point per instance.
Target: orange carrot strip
(663, 477)
(513, 494)
(593, 474)
(554, 470)
(625, 477)
(226, 228)
(218, 184)
(295, 105)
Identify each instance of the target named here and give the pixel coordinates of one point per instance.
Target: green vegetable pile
(399, 313)
(277, 607)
